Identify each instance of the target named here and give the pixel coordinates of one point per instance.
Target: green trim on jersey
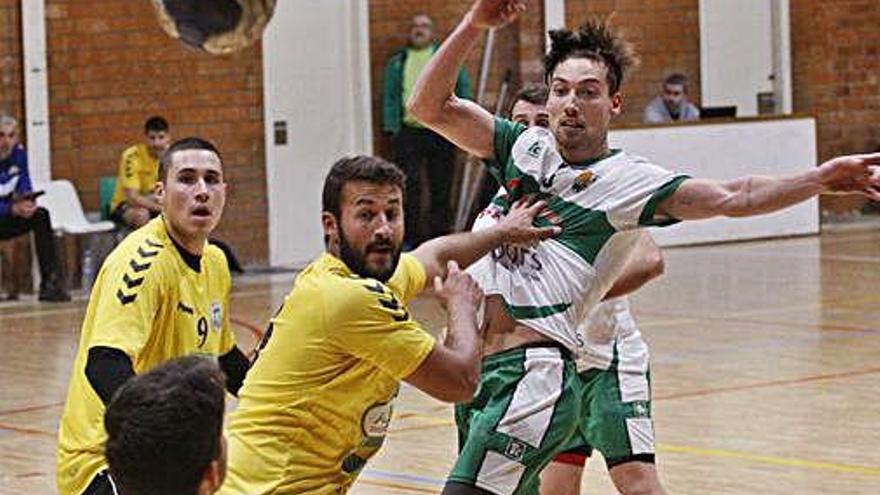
(584, 231)
(648, 216)
(501, 166)
(535, 312)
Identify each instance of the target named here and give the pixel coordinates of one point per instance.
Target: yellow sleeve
(409, 278)
(366, 319)
(227, 336)
(129, 169)
(129, 291)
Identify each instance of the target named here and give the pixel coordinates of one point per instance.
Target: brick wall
(11, 91)
(836, 73)
(667, 38)
(111, 67)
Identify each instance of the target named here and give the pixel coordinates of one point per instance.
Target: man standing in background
(416, 148)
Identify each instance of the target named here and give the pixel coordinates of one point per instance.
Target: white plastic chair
(66, 211)
(68, 217)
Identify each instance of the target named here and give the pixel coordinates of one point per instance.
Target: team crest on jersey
(376, 420)
(583, 180)
(515, 450)
(216, 316)
(534, 150)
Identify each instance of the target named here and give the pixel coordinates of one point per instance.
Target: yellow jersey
(149, 303)
(138, 170)
(317, 402)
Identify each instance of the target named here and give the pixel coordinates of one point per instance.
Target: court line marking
(399, 486)
(395, 476)
(769, 459)
(767, 384)
(27, 431)
(30, 408)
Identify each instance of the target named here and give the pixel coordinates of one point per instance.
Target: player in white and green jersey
(529, 400)
(612, 363)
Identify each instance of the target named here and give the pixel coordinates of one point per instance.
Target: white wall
(316, 79)
(736, 53)
(35, 122)
(728, 151)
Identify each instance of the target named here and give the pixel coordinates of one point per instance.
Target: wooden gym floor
(766, 359)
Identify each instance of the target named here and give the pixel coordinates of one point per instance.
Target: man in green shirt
(417, 149)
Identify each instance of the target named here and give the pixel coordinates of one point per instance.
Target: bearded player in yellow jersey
(161, 294)
(317, 403)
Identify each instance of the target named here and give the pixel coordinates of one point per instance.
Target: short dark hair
(156, 123)
(534, 93)
(164, 427)
(358, 168)
(597, 40)
(676, 79)
(187, 143)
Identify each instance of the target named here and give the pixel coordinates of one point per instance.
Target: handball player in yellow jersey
(161, 294)
(318, 401)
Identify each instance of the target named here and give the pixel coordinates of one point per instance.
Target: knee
(641, 485)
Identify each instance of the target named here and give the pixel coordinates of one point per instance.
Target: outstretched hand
(517, 226)
(852, 174)
(489, 14)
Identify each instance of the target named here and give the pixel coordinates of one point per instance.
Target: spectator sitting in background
(165, 430)
(673, 104)
(19, 213)
(417, 149)
(133, 203)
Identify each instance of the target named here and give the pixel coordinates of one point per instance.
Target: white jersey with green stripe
(552, 286)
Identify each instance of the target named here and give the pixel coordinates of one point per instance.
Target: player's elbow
(425, 110)
(656, 265)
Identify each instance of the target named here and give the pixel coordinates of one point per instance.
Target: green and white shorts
(524, 412)
(616, 417)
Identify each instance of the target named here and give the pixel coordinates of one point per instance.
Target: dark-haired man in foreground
(529, 401)
(161, 294)
(165, 430)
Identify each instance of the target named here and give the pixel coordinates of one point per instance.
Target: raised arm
(467, 247)
(433, 101)
(756, 195)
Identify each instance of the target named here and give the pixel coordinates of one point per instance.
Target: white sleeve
(639, 187)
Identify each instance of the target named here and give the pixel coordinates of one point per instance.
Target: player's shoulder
(132, 151)
(534, 144)
(146, 250)
(345, 295)
(215, 257)
(143, 259)
(629, 165)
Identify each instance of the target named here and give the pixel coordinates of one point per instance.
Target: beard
(357, 261)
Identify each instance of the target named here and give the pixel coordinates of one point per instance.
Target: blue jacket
(14, 178)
